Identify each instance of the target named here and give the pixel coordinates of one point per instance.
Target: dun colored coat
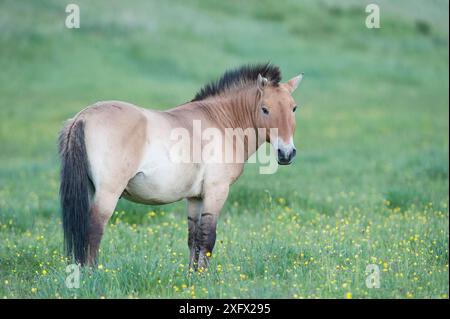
(115, 149)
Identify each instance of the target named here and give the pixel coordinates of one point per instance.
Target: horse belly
(163, 183)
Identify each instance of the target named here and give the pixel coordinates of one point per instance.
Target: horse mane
(239, 77)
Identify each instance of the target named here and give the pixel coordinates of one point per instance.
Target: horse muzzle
(285, 157)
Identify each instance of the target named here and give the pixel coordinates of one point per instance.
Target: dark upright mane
(239, 77)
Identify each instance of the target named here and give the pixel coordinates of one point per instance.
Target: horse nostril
(294, 152)
(280, 154)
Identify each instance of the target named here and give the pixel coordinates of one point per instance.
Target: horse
(114, 149)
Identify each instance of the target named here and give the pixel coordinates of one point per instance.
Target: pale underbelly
(163, 185)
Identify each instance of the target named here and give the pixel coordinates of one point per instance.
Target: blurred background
(372, 132)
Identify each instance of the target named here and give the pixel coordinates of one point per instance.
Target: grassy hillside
(369, 184)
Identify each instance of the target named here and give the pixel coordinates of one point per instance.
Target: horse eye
(294, 109)
(265, 110)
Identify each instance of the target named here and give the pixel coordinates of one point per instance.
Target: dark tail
(74, 190)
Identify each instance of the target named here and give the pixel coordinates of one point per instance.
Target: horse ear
(294, 82)
(261, 82)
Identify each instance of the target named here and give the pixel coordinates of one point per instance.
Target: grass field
(369, 184)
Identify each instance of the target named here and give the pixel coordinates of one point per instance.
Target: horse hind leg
(116, 136)
(101, 211)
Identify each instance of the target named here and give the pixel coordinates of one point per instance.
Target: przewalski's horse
(114, 149)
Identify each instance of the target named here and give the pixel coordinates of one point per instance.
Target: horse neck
(236, 109)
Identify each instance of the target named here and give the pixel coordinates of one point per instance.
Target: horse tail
(74, 190)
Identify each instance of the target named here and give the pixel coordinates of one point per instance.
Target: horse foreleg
(206, 233)
(194, 208)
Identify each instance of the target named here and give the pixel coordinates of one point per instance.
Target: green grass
(369, 185)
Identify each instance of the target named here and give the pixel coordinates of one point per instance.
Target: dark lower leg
(192, 243)
(205, 239)
(101, 212)
(96, 229)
